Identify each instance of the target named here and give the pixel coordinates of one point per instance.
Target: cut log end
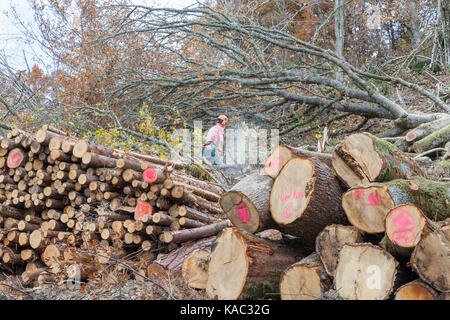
(195, 269)
(366, 207)
(365, 272)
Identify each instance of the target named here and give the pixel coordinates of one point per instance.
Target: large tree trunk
(362, 158)
(330, 241)
(305, 198)
(431, 259)
(367, 205)
(247, 203)
(305, 280)
(245, 267)
(365, 272)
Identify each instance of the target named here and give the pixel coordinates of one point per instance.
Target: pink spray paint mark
(287, 210)
(404, 227)
(243, 213)
(143, 209)
(276, 163)
(14, 160)
(359, 193)
(373, 200)
(149, 175)
(295, 194)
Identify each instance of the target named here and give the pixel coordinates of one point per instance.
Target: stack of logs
(66, 204)
(361, 223)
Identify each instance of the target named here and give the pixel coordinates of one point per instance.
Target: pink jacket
(215, 135)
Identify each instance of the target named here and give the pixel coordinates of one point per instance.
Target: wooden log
(330, 241)
(283, 153)
(97, 160)
(433, 140)
(305, 280)
(247, 205)
(416, 290)
(365, 272)
(405, 226)
(430, 259)
(366, 206)
(16, 157)
(240, 263)
(12, 212)
(426, 129)
(189, 223)
(194, 233)
(195, 269)
(154, 175)
(305, 198)
(362, 158)
(188, 212)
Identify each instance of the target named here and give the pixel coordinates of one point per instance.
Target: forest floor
(174, 287)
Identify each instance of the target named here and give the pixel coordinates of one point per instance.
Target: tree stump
(305, 280)
(247, 203)
(245, 267)
(305, 198)
(362, 158)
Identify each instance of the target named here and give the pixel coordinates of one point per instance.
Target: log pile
(364, 222)
(67, 204)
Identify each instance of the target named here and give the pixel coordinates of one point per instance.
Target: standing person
(213, 147)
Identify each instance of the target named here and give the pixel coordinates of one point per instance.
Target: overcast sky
(15, 47)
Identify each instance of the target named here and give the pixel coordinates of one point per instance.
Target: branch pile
(68, 205)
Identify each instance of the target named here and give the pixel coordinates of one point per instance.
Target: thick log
(416, 290)
(330, 241)
(194, 233)
(11, 212)
(405, 226)
(362, 158)
(305, 280)
(246, 267)
(431, 259)
(283, 153)
(366, 206)
(247, 205)
(305, 198)
(365, 272)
